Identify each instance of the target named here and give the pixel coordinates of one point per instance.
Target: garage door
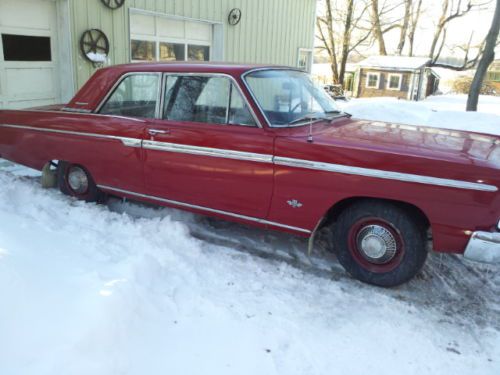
(160, 38)
(28, 50)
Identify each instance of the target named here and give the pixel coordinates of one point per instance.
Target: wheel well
(333, 212)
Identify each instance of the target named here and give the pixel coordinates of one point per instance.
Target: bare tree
(340, 32)
(377, 27)
(416, 9)
(487, 57)
(404, 27)
(450, 10)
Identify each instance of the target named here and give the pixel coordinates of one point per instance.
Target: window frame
(117, 84)
(388, 86)
(233, 83)
(367, 83)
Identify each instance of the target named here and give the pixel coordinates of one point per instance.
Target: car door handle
(153, 132)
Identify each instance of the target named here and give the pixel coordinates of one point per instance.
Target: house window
(394, 81)
(372, 80)
(305, 59)
(26, 48)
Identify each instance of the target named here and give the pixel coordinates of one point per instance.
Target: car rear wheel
(380, 243)
(76, 181)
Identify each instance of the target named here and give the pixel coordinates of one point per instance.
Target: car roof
(193, 67)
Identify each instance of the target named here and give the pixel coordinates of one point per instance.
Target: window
(26, 48)
(135, 96)
(305, 59)
(206, 99)
(288, 95)
(143, 50)
(198, 53)
(161, 38)
(394, 82)
(172, 52)
(372, 80)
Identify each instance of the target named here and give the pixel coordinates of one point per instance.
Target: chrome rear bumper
(484, 247)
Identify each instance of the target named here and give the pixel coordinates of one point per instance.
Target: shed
(401, 77)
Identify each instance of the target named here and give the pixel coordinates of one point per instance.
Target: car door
(207, 149)
(127, 109)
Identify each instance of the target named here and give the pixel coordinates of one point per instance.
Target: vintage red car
(263, 145)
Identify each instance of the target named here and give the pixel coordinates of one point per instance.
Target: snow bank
(85, 290)
(446, 111)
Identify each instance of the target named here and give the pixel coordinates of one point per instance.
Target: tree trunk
(404, 27)
(413, 27)
(346, 40)
(331, 37)
(377, 28)
(439, 29)
(486, 60)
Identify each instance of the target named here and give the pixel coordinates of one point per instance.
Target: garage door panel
(22, 13)
(30, 82)
(142, 24)
(199, 31)
(170, 28)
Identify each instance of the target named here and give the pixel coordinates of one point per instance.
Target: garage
(156, 37)
(28, 53)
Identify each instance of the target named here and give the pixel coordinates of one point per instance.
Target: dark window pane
(172, 52)
(143, 50)
(198, 53)
(26, 48)
(135, 96)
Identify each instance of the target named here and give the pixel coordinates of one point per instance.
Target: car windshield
(289, 97)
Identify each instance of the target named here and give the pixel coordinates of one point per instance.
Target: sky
(459, 30)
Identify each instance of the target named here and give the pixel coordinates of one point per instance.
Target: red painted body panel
(261, 190)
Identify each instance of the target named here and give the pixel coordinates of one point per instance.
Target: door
(207, 149)
(28, 50)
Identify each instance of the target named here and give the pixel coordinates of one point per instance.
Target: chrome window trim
(378, 173)
(244, 79)
(202, 208)
(207, 151)
(118, 82)
(215, 74)
(130, 142)
(277, 160)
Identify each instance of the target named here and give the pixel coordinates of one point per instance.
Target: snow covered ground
(126, 288)
(442, 111)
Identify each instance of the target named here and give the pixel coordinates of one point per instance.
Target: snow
(396, 62)
(444, 111)
(127, 288)
(97, 57)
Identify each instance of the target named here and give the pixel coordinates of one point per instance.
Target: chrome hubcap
(78, 180)
(376, 244)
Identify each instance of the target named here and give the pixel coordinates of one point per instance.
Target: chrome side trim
(207, 151)
(277, 160)
(388, 175)
(130, 142)
(201, 208)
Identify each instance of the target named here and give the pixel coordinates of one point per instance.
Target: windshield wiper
(309, 116)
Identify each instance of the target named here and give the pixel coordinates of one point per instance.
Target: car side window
(135, 96)
(205, 99)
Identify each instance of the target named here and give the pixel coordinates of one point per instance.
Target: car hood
(400, 139)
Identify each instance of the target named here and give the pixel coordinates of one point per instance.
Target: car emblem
(294, 203)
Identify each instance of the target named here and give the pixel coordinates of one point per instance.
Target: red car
(263, 145)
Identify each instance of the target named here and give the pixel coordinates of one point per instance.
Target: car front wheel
(380, 243)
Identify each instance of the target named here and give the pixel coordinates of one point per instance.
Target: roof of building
(394, 62)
